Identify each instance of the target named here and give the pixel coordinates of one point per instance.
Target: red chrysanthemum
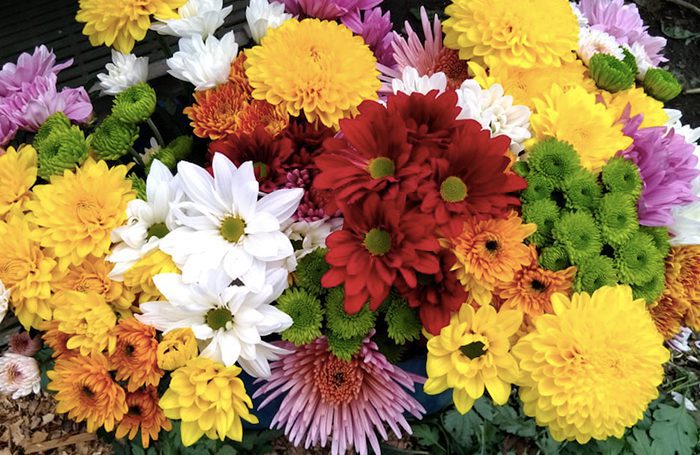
(471, 178)
(437, 296)
(429, 119)
(267, 153)
(307, 142)
(379, 243)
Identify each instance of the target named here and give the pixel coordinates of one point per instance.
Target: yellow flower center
(381, 167)
(377, 242)
(13, 271)
(453, 189)
(218, 318)
(232, 229)
(87, 211)
(87, 283)
(158, 230)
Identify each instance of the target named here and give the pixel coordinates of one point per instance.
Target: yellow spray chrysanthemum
(210, 399)
(87, 318)
(575, 117)
(17, 174)
(591, 369)
(79, 209)
(177, 347)
(473, 353)
(639, 103)
(139, 278)
(120, 23)
(524, 33)
(25, 270)
(333, 70)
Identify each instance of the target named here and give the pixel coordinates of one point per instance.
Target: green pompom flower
(610, 73)
(594, 273)
(621, 175)
(630, 61)
(617, 217)
(660, 237)
(305, 310)
(176, 151)
(581, 191)
(113, 138)
(310, 270)
(662, 84)
(521, 168)
(403, 324)
(61, 151)
(139, 185)
(554, 258)
(579, 234)
(346, 325)
(544, 213)
(638, 260)
(538, 187)
(55, 123)
(344, 348)
(554, 159)
(135, 104)
(651, 290)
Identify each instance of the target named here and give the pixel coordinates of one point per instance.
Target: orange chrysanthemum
(682, 272)
(86, 391)
(491, 251)
(136, 356)
(533, 286)
(144, 414)
(668, 313)
(55, 339)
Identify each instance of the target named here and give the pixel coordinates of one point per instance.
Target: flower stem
(164, 45)
(156, 132)
(137, 157)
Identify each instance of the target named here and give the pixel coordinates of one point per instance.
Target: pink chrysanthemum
(327, 9)
(348, 402)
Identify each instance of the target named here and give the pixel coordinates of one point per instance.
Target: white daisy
(147, 221)
(262, 16)
(19, 375)
(686, 225)
(197, 17)
(592, 41)
(412, 82)
(123, 72)
(225, 226)
(496, 112)
(204, 64)
(229, 320)
(4, 301)
(644, 63)
(308, 236)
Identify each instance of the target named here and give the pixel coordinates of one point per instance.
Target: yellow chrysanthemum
(210, 399)
(575, 117)
(471, 353)
(25, 270)
(525, 33)
(79, 209)
(591, 369)
(92, 275)
(17, 174)
(640, 103)
(139, 278)
(177, 347)
(87, 318)
(120, 23)
(334, 71)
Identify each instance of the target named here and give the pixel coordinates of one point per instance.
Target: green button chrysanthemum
(617, 217)
(403, 324)
(176, 151)
(651, 290)
(544, 213)
(610, 73)
(662, 85)
(579, 234)
(310, 270)
(554, 258)
(344, 348)
(594, 273)
(305, 310)
(556, 160)
(346, 325)
(113, 138)
(621, 175)
(581, 191)
(61, 150)
(57, 122)
(638, 260)
(138, 185)
(135, 104)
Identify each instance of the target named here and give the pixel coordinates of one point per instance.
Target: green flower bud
(139, 185)
(176, 151)
(621, 175)
(57, 122)
(135, 104)
(310, 270)
(61, 151)
(344, 348)
(617, 217)
(544, 213)
(403, 324)
(662, 84)
(554, 159)
(578, 233)
(554, 258)
(345, 325)
(660, 237)
(305, 310)
(113, 138)
(638, 260)
(610, 73)
(581, 191)
(630, 61)
(594, 273)
(538, 187)
(651, 290)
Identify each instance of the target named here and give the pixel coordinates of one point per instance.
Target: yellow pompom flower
(333, 70)
(210, 399)
(17, 174)
(591, 369)
(575, 117)
(87, 318)
(640, 103)
(79, 209)
(139, 278)
(473, 353)
(177, 347)
(25, 270)
(120, 23)
(526, 33)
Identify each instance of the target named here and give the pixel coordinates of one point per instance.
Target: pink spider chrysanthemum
(346, 402)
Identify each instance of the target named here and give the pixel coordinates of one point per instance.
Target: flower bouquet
(500, 199)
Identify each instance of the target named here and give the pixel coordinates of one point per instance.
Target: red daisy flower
(378, 244)
(430, 119)
(307, 141)
(437, 296)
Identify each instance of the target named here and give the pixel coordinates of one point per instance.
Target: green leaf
(427, 436)
(641, 444)
(463, 428)
(674, 430)
(611, 446)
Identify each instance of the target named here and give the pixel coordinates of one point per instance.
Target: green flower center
(453, 189)
(473, 350)
(159, 230)
(218, 318)
(381, 167)
(232, 229)
(262, 170)
(377, 242)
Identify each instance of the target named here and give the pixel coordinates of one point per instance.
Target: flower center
(377, 242)
(261, 169)
(87, 391)
(338, 382)
(473, 350)
(492, 245)
(232, 229)
(158, 230)
(381, 167)
(456, 69)
(453, 189)
(87, 211)
(538, 286)
(13, 271)
(134, 410)
(218, 318)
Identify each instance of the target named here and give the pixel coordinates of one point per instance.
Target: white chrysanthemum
(230, 320)
(686, 225)
(412, 82)
(644, 63)
(580, 17)
(147, 221)
(225, 226)
(262, 16)
(680, 342)
(204, 64)
(496, 112)
(311, 235)
(197, 17)
(4, 301)
(592, 41)
(123, 72)
(19, 375)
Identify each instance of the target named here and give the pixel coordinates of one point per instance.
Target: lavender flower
(29, 67)
(376, 29)
(328, 9)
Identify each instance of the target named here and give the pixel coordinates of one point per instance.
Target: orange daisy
(55, 339)
(86, 391)
(136, 356)
(144, 414)
(668, 313)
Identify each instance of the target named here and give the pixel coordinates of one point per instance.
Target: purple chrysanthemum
(29, 67)
(376, 29)
(348, 402)
(624, 23)
(327, 9)
(668, 167)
